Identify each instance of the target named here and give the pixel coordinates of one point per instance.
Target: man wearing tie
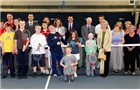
(30, 25)
(71, 26)
(85, 30)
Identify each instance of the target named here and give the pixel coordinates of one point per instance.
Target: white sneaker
(9, 71)
(75, 75)
(47, 71)
(55, 75)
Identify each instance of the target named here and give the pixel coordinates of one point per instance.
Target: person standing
(85, 30)
(104, 40)
(10, 20)
(22, 50)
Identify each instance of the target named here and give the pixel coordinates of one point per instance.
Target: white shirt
(98, 28)
(35, 40)
(30, 23)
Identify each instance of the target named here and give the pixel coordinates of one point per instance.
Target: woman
(46, 19)
(130, 51)
(117, 52)
(119, 23)
(58, 27)
(104, 39)
(138, 50)
(127, 25)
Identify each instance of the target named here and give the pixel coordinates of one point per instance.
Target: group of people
(18, 38)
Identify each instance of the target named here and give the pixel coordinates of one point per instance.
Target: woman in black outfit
(130, 51)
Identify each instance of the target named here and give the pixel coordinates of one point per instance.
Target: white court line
(47, 83)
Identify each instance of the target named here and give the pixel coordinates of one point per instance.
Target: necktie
(70, 27)
(88, 29)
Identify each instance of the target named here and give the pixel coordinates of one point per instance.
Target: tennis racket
(4, 68)
(62, 31)
(70, 73)
(25, 36)
(37, 57)
(92, 60)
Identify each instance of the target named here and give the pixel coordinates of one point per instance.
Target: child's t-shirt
(75, 48)
(91, 45)
(67, 60)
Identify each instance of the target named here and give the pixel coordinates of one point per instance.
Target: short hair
(88, 18)
(128, 22)
(37, 25)
(132, 26)
(69, 47)
(7, 25)
(105, 21)
(10, 14)
(102, 16)
(30, 14)
(70, 16)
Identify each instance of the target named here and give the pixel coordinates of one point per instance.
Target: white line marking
(47, 83)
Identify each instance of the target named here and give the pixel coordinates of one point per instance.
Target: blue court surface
(112, 81)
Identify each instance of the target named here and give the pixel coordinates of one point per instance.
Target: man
(10, 20)
(85, 30)
(98, 26)
(7, 44)
(22, 50)
(30, 25)
(71, 26)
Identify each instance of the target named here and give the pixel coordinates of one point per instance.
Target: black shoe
(83, 66)
(24, 76)
(3, 77)
(19, 77)
(34, 75)
(12, 76)
(43, 75)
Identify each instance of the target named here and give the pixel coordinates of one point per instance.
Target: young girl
(74, 42)
(46, 32)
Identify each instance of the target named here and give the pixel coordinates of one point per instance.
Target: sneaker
(43, 75)
(24, 76)
(55, 75)
(12, 76)
(47, 71)
(8, 71)
(93, 75)
(88, 75)
(34, 75)
(75, 75)
(19, 77)
(3, 77)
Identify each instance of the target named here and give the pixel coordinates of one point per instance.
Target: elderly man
(85, 30)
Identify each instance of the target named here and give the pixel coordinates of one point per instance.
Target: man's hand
(58, 43)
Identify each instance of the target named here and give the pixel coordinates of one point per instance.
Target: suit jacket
(107, 40)
(31, 29)
(75, 26)
(85, 32)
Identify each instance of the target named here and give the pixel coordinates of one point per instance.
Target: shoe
(12, 76)
(125, 72)
(75, 75)
(43, 75)
(8, 71)
(113, 71)
(83, 66)
(34, 75)
(47, 71)
(137, 68)
(24, 76)
(93, 75)
(19, 77)
(55, 75)
(3, 77)
(133, 73)
(88, 75)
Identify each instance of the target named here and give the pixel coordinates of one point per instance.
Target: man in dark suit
(85, 30)
(30, 25)
(71, 26)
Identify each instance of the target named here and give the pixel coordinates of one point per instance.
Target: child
(68, 62)
(74, 42)
(46, 32)
(38, 43)
(54, 42)
(91, 58)
(7, 44)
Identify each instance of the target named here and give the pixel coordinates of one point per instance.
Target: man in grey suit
(85, 30)
(30, 25)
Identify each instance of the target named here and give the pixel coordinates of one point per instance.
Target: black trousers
(9, 59)
(129, 59)
(106, 64)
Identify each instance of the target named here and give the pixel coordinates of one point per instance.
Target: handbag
(101, 55)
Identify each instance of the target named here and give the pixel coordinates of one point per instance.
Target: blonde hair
(69, 47)
(120, 28)
(132, 26)
(128, 22)
(105, 21)
(56, 21)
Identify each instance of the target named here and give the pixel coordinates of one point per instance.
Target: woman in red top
(46, 32)
(2, 29)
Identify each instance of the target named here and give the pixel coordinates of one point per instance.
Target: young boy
(91, 58)
(38, 43)
(68, 62)
(7, 44)
(54, 42)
